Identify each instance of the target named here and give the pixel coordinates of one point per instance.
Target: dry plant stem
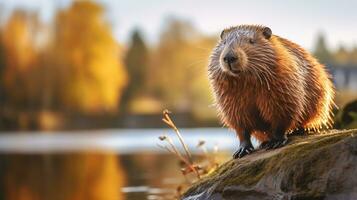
(189, 163)
(169, 122)
(178, 155)
(175, 152)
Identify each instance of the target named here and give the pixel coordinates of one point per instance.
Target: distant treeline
(338, 58)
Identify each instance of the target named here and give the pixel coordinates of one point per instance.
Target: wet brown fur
(282, 86)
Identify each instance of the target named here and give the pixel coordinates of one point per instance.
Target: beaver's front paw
(274, 143)
(244, 149)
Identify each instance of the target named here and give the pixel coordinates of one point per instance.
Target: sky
(297, 20)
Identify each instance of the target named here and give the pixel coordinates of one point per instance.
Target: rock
(322, 166)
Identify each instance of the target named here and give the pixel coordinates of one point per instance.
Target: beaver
(266, 86)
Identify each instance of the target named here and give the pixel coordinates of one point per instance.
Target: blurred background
(81, 81)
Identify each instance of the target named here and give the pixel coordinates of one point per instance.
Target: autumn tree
(354, 55)
(92, 73)
(21, 59)
(2, 69)
(180, 68)
(342, 56)
(137, 64)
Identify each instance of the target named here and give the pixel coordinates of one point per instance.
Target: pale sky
(297, 20)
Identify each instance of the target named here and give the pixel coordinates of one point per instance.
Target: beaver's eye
(251, 41)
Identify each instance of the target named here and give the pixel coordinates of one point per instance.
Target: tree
(137, 63)
(92, 73)
(342, 56)
(2, 69)
(321, 51)
(354, 55)
(20, 60)
(180, 68)
(2, 91)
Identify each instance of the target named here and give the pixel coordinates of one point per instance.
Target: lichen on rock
(321, 166)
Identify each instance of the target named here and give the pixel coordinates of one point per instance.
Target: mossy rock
(321, 166)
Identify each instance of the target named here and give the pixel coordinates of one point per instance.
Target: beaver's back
(317, 85)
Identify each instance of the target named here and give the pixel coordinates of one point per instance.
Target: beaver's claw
(274, 143)
(244, 149)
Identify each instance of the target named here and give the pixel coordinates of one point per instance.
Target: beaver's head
(242, 49)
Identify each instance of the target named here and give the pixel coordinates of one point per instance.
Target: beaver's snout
(232, 60)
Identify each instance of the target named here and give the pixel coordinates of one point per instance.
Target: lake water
(105, 164)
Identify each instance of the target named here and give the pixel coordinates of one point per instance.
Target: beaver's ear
(267, 32)
(222, 34)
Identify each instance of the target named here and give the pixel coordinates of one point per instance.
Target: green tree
(137, 64)
(321, 50)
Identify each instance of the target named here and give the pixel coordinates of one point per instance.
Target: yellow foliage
(21, 58)
(18, 42)
(91, 56)
(180, 68)
(145, 105)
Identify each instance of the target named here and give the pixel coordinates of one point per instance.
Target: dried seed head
(166, 112)
(201, 143)
(162, 137)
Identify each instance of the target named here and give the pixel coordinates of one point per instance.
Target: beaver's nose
(230, 58)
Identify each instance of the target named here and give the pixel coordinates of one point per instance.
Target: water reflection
(90, 176)
(106, 165)
(62, 177)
